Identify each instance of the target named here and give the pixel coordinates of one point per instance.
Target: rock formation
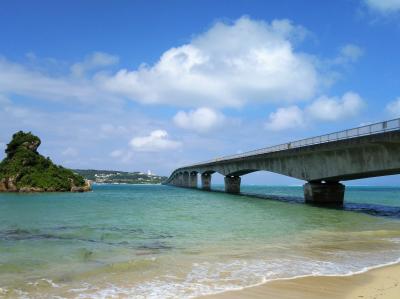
(25, 170)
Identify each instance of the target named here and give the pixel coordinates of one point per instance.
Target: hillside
(25, 170)
(119, 177)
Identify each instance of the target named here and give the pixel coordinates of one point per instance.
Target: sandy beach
(380, 283)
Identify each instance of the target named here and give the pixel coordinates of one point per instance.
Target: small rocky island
(25, 170)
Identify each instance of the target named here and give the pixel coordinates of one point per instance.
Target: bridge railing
(370, 129)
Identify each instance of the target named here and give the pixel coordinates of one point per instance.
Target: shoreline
(381, 282)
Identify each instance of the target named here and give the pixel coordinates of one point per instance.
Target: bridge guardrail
(375, 128)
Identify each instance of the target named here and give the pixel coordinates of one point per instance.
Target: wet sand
(381, 283)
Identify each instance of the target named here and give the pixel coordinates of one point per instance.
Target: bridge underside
(322, 166)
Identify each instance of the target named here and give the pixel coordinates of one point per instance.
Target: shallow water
(139, 241)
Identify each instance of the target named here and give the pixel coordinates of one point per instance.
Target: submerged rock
(84, 188)
(31, 189)
(3, 186)
(25, 170)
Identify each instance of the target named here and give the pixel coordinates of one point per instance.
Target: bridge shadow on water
(365, 208)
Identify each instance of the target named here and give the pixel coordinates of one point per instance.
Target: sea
(154, 241)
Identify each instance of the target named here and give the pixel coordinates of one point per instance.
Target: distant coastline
(138, 184)
(119, 177)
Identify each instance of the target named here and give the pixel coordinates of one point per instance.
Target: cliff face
(25, 170)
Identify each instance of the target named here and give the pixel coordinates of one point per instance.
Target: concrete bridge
(322, 161)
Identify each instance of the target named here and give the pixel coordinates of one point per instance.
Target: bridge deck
(370, 129)
(323, 161)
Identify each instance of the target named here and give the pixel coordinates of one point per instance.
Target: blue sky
(153, 85)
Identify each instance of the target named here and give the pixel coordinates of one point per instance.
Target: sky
(155, 85)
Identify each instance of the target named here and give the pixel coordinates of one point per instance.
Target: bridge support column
(180, 179)
(232, 184)
(206, 181)
(329, 193)
(185, 179)
(193, 180)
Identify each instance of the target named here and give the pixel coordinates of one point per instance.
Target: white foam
(22, 294)
(212, 278)
(46, 280)
(84, 288)
(50, 282)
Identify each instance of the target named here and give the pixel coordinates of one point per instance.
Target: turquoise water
(150, 241)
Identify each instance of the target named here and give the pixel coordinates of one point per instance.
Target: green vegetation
(119, 177)
(24, 169)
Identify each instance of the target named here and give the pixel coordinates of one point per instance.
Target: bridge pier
(193, 180)
(329, 193)
(206, 181)
(232, 184)
(180, 179)
(185, 179)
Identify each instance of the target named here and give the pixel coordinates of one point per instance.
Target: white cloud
(156, 141)
(7, 107)
(350, 53)
(70, 152)
(84, 134)
(322, 109)
(231, 64)
(393, 108)
(200, 120)
(122, 155)
(285, 118)
(334, 108)
(383, 6)
(20, 80)
(228, 65)
(93, 61)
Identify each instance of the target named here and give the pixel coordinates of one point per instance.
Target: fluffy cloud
(322, 109)
(334, 108)
(93, 61)
(156, 141)
(81, 129)
(7, 107)
(228, 65)
(285, 118)
(350, 53)
(383, 6)
(393, 108)
(20, 80)
(199, 120)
